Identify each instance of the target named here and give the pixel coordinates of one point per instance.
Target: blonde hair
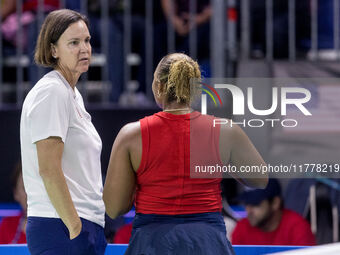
(175, 73)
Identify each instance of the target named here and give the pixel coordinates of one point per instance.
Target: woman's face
(73, 49)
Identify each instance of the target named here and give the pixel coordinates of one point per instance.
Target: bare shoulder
(129, 140)
(130, 132)
(228, 128)
(231, 133)
(131, 129)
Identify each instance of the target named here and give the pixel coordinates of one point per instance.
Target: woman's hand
(181, 27)
(75, 230)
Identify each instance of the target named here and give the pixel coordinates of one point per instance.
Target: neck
(273, 222)
(72, 79)
(176, 108)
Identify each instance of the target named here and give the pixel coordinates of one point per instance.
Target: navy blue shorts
(50, 236)
(194, 234)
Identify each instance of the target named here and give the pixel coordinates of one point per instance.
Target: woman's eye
(87, 40)
(74, 42)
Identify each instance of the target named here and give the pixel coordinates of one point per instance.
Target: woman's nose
(84, 46)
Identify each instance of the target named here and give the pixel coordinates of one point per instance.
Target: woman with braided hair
(150, 165)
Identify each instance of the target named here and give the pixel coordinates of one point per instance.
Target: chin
(84, 69)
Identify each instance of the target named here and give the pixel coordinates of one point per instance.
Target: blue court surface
(118, 249)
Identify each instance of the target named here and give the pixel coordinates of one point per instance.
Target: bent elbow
(263, 184)
(114, 211)
(112, 214)
(110, 208)
(260, 183)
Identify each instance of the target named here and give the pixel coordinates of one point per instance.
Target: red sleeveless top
(164, 185)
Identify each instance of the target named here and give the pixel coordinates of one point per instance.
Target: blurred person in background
(180, 21)
(13, 228)
(268, 222)
(115, 39)
(29, 29)
(10, 25)
(115, 43)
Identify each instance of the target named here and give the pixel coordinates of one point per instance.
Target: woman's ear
(53, 51)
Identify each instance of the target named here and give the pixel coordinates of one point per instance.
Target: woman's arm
(236, 146)
(199, 18)
(169, 9)
(50, 153)
(7, 7)
(203, 16)
(119, 187)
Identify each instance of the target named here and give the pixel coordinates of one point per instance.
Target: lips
(84, 59)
